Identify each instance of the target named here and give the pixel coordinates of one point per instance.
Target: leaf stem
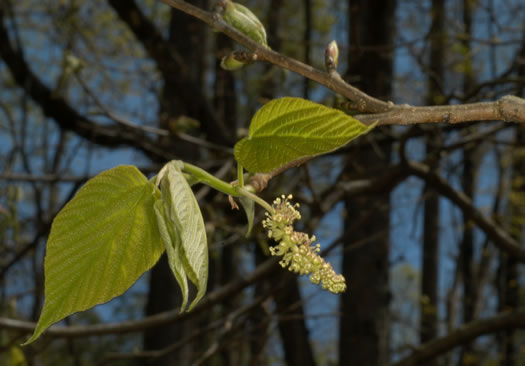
(240, 175)
(210, 180)
(244, 192)
(224, 187)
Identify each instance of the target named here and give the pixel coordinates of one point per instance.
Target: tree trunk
(508, 280)
(468, 183)
(430, 254)
(512, 349)
(225, 103)
(164, 293)
(294, 333)
(365, 322)
(288, 302)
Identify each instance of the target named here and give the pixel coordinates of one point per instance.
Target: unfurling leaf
(172, 244)
(242, 18)
(100, 243)
(230, 63)
(289, 129)
(182, 230)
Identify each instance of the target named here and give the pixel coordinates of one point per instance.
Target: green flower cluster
(296, 248)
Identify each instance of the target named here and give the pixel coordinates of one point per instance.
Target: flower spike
(299, 254)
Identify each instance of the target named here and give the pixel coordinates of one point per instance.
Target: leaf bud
(331, 56)
(242, 18)
(73, 63)
(230, 63)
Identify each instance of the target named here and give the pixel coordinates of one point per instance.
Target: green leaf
(100, 243)
(288, 129)
(189, 245)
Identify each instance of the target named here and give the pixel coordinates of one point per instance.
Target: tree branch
(148, 129)
(167, 60)
(462, 335)
(508, 108)
(45, 178)
(169, 317)
(196, 334)
(395, 175)
(366, 102)
(170, 64)
(501, 239)
(63, 113)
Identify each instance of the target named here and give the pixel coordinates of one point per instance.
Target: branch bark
(508, 109)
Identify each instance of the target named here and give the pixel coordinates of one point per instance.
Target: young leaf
(100, 243)
(172, 243)
(288, 129)
(183, 212)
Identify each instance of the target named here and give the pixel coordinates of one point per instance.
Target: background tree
(365, 322)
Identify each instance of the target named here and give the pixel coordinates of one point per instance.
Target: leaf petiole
(244, 192)
(210, 180)
(224, 187)
(240, 175)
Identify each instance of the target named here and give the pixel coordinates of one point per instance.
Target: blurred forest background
(88, 85)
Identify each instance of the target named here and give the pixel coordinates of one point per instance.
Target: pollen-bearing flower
(297, 249)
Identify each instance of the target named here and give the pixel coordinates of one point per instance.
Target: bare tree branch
(170, 64)
(63, 113)
(154, 130)
(462, 335)
(500, 237)
(366, 102)
(508, 108)
(197, 333)
(395, 175)
(45, 178)
(169, 317)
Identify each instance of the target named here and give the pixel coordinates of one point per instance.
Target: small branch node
(219, 8)
(259, 181)
(512, 108)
